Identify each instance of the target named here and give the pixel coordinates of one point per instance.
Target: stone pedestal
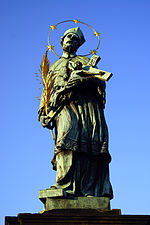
(54, 199)
(77, 217)
(75, 211)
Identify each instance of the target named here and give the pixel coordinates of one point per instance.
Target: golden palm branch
(47, 81)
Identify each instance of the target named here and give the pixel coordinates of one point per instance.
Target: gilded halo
(50, 47)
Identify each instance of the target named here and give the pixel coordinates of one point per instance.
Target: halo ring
(53, 27)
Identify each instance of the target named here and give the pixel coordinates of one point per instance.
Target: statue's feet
(87, 195)
(54, 186)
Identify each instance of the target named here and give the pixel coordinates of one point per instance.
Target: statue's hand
(76, 78)
(72, 83)
(76, 74)
(45, 121)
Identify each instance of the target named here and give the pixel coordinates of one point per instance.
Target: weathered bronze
(76, 111)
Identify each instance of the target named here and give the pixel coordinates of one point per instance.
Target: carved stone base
(80, 203)
(54, 199)
(78, 216)
(51, 193)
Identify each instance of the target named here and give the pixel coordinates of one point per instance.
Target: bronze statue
(76, 111)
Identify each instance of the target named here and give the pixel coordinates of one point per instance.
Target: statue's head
(72, 40)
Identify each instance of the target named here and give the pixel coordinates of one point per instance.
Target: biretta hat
(76, 31)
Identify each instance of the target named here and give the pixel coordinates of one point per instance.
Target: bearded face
(70, 43)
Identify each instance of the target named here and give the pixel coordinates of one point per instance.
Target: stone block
(101, 203)
(50, 193)
(78, 216)
(54, 199)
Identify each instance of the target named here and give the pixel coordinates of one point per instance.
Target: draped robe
(81, 155)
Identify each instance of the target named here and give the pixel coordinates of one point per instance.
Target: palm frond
(48, 79)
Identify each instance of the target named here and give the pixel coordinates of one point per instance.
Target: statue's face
(70, 43)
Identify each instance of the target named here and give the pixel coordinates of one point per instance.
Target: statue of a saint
(76, 111)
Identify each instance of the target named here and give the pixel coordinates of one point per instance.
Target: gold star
(97, 34)
(93, 52)
(76, 21)
(53, 27)
(50, 47)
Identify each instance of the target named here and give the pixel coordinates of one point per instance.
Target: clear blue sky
(26, 147)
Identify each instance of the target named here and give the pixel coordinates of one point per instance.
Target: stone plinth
(51, 193)
(54, 199)
(77, 217)
(79, 203)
